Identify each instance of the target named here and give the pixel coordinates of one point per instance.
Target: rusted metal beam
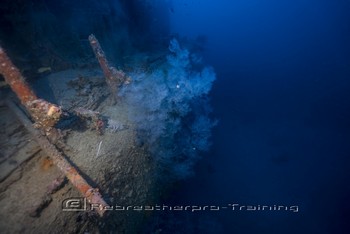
(114, 77)
(92, 194)
(45, 114)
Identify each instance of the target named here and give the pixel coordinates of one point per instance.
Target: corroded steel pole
(91, 194)
(114, 77)
(45, 114)
(15, 79)
(101, 57)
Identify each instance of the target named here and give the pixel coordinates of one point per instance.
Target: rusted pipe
(114, 77)
(92, 194)
(101, 57)
(45, 114)
(15, 79)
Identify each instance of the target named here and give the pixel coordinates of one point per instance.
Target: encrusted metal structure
(114, 77)
(45, 115)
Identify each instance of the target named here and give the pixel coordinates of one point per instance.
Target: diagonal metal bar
(45, 114)
(93, 196)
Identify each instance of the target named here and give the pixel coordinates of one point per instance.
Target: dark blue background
(282, 98)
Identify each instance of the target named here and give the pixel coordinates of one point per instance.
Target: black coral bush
(170, 109)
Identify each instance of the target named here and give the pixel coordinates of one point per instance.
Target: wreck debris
(56, 184)
(82, 86)
(10, 164)
(85, 113)
(114, 77)
(45, 114)
(91, 194)
(97, 122)
(46, 199)
(92, 91)
(37, 208)
(99, 126)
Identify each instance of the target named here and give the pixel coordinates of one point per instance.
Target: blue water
(283, 103)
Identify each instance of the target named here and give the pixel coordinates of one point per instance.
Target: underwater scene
(175, 116)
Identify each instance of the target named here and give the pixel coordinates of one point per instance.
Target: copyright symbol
(74, 204)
